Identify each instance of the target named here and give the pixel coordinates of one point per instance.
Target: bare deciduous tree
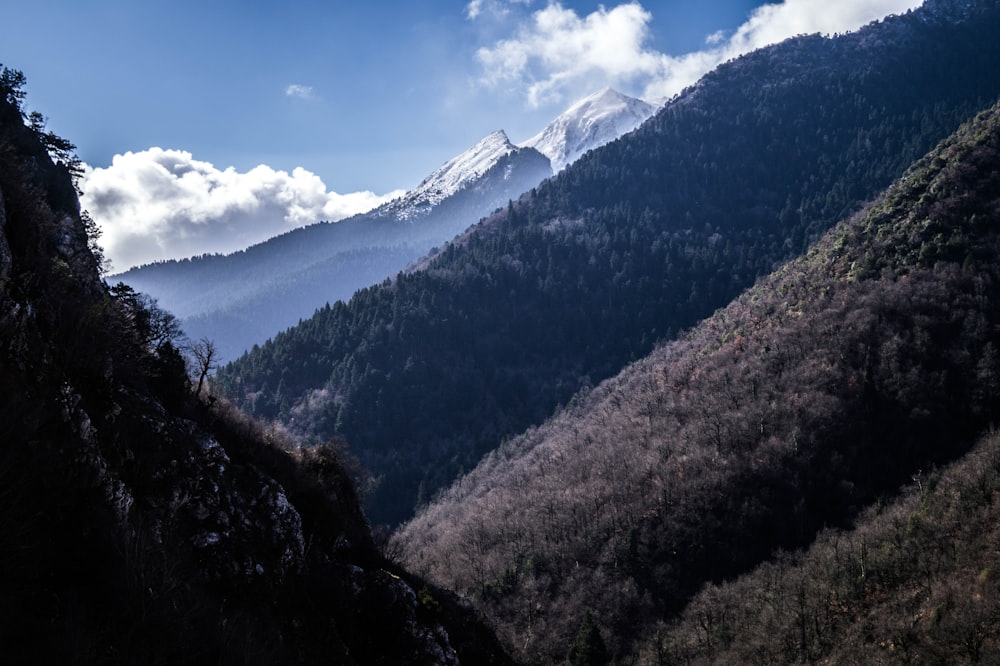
(205, 357)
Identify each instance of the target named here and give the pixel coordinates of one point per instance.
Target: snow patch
(590, 123)
(451, 177)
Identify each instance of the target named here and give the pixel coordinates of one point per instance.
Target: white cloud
(558, 54)
(770, 24)
(474, 9)
(496, 8)
(163, 204)
(300, 91)
(774, 22)
(715, 38)
(558, 51)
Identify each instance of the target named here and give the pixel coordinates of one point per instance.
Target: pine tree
(588, 647)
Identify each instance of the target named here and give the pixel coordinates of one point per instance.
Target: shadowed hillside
(631, 244)
(914, 582)
(829, 384)
(140, 524)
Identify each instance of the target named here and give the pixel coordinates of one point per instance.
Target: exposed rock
(4, 247)
(141, 525)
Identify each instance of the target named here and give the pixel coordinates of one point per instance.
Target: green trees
(641, 239)
(588, 647)
(827, 386)
(59, 149)
(12, 84)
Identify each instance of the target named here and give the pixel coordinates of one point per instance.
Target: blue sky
(340, 103)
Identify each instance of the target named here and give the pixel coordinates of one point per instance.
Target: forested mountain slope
(632, 243)
(142, 524)
(240, 299)
(244, 298)
(826, 386)
(914, 582)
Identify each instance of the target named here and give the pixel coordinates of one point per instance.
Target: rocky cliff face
(142, 524)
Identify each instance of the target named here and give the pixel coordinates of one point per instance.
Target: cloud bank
(477, 8)
(163, 204)
(556, 54)
(300, 91)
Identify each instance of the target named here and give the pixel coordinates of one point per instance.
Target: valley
(711, 381)
(636, 242)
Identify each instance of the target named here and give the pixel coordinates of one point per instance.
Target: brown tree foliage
(829, 384)
(915, 581)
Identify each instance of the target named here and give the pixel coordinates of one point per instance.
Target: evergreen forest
(639, 240)
(863, 366)
(723, 391)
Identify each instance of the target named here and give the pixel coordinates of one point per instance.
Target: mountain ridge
(147, 522)
(589, 123)
(826, 386)
(225, 298)
(451, 177)
(293, 274)
(633, 242)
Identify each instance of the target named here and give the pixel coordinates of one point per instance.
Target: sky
(208, 126)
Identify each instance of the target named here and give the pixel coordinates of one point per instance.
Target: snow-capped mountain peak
(454, 175)
(589, 123)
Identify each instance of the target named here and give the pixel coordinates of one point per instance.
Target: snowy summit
(588, 124)
(453, 176)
